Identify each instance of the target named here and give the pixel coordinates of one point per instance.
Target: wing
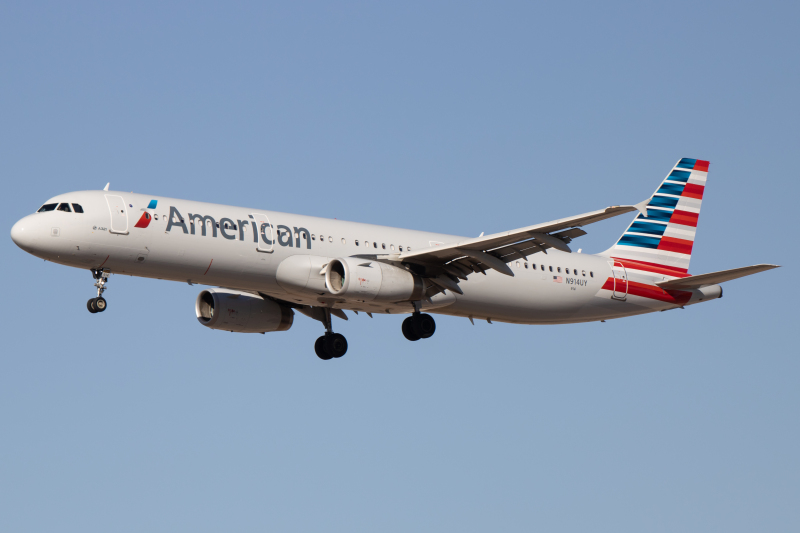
(494, 251)
(695, 282)
(444, 265)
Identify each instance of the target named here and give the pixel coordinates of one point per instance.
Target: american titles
(235, 229)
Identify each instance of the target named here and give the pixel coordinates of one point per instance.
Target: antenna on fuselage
(106, 187)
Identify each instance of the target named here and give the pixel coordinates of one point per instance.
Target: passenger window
(356, 242)
(47, 207)
(591, 274)
(583, 272)
(391, 247)
(64, 207)
(77, 208)
(526, 265)
(330, 239)
(408, 249)
(374, 244)
(551, 269)
(344, 241)
(383, 245)
(400, 248)
(313, 237)
(517, 264)
(559, 270)
(154, 216)
(322, 238)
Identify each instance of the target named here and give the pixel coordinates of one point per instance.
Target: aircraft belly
(523, 298)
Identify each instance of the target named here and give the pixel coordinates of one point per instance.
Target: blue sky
(453, 117)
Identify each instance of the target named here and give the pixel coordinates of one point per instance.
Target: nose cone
(23, 235)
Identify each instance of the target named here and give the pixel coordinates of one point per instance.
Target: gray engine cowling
(242, 312)
(356, 279)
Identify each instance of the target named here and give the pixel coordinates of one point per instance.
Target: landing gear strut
(98, 305)
(331, 345)
(418, 325)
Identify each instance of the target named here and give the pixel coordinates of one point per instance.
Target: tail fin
(662, 242)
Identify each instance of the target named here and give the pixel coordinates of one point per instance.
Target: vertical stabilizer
(662, 242)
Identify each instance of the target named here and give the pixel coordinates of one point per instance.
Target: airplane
(262, 265)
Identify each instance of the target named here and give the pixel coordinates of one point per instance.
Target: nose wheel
(331, 345)
(99, 304)
(96, 305)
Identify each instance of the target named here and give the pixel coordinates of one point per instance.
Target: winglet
(106, 187)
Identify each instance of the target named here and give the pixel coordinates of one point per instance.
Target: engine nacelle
(241, 312)
(356, 279)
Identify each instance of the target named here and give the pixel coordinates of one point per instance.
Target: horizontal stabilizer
(695, 282)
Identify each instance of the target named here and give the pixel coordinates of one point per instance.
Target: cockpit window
(65, 207)
(77, 208)
(47, 207)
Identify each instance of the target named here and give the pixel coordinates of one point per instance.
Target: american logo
(146, 217)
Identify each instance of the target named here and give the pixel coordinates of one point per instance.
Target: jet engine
(241, 312)
(363, 280)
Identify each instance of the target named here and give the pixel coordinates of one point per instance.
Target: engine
(363, 280)
(241, 312)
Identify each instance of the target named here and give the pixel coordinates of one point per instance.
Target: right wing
(494, 251)
(442, 266)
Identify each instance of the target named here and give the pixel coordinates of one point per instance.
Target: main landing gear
(98, 305)
(419, 325)
(331, 345)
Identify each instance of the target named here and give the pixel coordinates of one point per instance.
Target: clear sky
(456, 117)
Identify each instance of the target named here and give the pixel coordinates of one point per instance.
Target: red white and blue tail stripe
(662, 242)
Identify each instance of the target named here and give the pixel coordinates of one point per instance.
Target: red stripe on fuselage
(653, 267)
(653, 292)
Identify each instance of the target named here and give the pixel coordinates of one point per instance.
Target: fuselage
(219, 245)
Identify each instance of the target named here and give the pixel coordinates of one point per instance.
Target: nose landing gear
(331, 345)
(99, 304)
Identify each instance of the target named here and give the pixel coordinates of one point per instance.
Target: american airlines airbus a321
(266, 265)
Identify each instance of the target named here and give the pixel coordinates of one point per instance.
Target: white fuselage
(549, 288)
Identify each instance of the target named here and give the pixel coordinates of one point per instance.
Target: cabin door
(620, 291)
(264, 233)
(119, 214)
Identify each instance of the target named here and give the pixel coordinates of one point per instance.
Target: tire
(319, 348)
(336, 345)
(90, 306)
(424, 325)
(100, 304)
(408, 330)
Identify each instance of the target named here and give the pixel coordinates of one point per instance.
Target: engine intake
(241, 312)
(363, 280)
